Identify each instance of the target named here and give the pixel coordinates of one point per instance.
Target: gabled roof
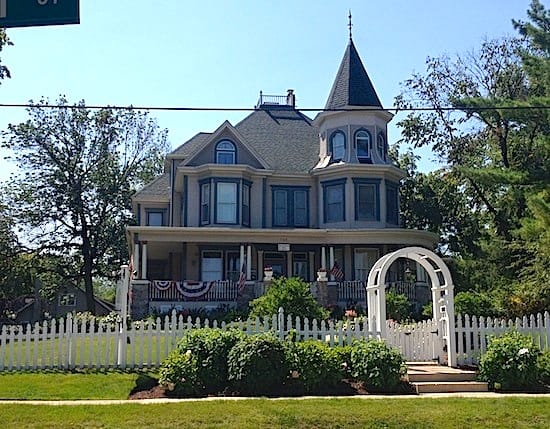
(352, 86)
(284, 137)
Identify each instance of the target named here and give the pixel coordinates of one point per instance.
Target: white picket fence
(473, 333)
(70, 344)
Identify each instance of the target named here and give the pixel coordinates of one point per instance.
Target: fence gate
(442, 300)
(418, 342)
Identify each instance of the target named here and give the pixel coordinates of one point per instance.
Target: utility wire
(269, 107)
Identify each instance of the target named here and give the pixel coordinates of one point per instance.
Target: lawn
(505, 412)
(67, 385)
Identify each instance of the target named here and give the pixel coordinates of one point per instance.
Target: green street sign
(30, 13)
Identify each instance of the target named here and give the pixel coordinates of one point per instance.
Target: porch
(164, 296)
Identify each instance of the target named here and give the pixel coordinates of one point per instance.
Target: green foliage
(398, 307)
(79, 169)
(314, 365)
(210, 348)
(543, 365)
(4, 41)
(510, 362)
(489, 202)
(378, 366)
(293, 295)
(179, 374)
(257, 364)
(475, 304)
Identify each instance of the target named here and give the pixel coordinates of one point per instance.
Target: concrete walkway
(480, 395)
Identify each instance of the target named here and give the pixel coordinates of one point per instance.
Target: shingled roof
(284, 137)
(352, 86)
(158, 188)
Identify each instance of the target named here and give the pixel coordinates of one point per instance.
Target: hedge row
(210, 361)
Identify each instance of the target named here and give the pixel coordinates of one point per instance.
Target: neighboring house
(276, 190)
(29, 309)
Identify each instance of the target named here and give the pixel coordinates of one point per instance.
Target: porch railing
(220, 291)
(351, 291)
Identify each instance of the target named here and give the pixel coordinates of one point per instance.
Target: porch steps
(426, 377)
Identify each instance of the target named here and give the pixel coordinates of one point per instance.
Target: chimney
(290, 98)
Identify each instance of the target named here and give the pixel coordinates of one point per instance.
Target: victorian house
(275, 194)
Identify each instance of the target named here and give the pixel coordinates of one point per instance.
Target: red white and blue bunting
(189, 289)
(162, 284)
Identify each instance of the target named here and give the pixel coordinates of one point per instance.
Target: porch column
(289, 264)
(248, 262)
(260, 267)
(331, 260)
(323, 257)
(241, 258)
(135, 264)
(144, 260)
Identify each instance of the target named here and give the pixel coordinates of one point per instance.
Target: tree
(4, 41)
(79, 169)
(495, 147)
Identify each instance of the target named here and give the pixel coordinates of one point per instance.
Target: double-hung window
(205, 203)
(245, 209)
(363, 145)
(338, 146)
(367, 199)
(226, 202)
(225, 152)
(334, 201)
(392, 204)
(290, 206)
(156, 217)
(382, 147)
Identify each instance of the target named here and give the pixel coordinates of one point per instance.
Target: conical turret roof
(352, 86)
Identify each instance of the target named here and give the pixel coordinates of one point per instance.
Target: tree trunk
(88, 263)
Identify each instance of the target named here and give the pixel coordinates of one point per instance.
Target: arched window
(225, 152)
(363, 145)
(338, 146)
(382, 148)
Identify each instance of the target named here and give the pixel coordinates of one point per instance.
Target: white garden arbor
(442, 295)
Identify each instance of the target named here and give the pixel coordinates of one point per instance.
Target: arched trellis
(442, 294)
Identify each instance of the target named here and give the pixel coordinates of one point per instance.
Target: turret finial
(349, 24)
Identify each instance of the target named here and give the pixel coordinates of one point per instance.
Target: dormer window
(363, 144)
(225, 152)
(338, 146)
(382, 148)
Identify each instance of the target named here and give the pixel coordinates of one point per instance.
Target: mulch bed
(151, 390)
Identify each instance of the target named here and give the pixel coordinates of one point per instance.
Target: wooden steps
(427, 377)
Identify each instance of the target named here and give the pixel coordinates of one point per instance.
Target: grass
(67, 385)
(52, 353)
(505, 412)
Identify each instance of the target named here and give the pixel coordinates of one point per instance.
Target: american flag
(337, 272)
(242, 278)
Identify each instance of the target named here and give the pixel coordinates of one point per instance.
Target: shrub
(257, 364)
(210, 347)
(313, 365)
(543, 366)
(474, 304)
(398, 307)
(178, 374)
(378, 366)
(510, 362)
(293, 295)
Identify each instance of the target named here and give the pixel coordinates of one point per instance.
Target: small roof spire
(349, 24)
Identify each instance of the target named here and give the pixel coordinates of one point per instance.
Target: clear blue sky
(222, 53)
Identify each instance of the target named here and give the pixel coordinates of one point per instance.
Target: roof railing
(288, 100)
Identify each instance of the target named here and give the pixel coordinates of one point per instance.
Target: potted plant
(268, 273)
(322, 274)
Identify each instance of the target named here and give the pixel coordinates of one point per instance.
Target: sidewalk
(480, 395)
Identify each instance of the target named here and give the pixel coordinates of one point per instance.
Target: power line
(247, 109)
